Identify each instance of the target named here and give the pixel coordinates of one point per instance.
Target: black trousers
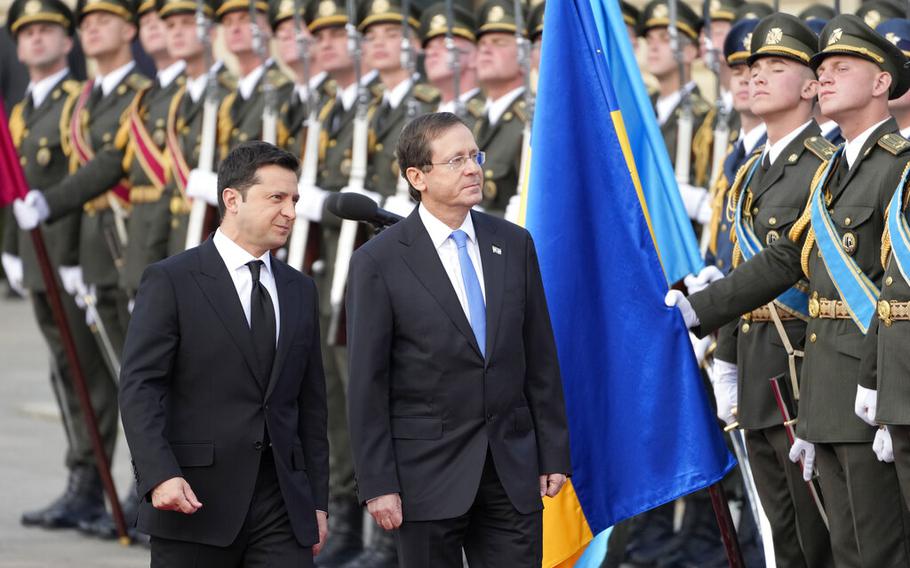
(266, 538)
(492, 533)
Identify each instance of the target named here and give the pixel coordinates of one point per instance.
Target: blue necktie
(476, 307)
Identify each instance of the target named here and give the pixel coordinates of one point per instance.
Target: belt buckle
(884, 312)
(814, 306)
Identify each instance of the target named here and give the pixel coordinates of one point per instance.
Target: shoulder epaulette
(521, 110)
(820, 146)
(138, 81)
(894, 143)
(277, 77)
(476, 107)
(426, 93)
(71, 86)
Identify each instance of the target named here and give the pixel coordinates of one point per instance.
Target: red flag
(12, 180)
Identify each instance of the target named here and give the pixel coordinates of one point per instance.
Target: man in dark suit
(455, 401)
(222, 389)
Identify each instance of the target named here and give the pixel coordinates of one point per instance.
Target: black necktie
(96, 96)
(28, 107)
(382, 115)
(766, 161)
(262, 321)
(334, 118)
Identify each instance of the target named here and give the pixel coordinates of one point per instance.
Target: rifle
(409, 62)
(524, 60)
(269, 110)
(348, 235)
(454, 59)
(209, 133)
(301, 233)
(686, 120)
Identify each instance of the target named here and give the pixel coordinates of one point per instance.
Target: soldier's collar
(396, 94)
(853, 147)
(753, 137)
(167, 75)
(110, 81)
(495, 109)
(39, 91)
(247, 84)
(774, 150)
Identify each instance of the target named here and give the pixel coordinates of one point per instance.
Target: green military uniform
(40, 134)
(778, 191)
(434, 23)
(500, 140)
(388, 117)
(856, 487)
(656, 15)
(183, 127)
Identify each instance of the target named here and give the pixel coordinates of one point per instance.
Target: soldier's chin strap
(792, 353)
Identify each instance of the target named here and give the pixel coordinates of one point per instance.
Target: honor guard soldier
(186, 114)
(816, 16)
(499, 131)
(402, 97)
(326, 20)
(753, 11)
(631, 15)
(897, 31)
(675, 91)
(749, 137)
(43, 32)
(836, 244)
(438, 60)
(282, 19)
(876, 12)
(775, 184)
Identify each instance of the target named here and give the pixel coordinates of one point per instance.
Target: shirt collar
(247, 84)
(196, 86)
(905, 132)
(852, 147)
(495, 109)
(112, 79)
(449, 106)
(666, 105)
(750, 139)
(439, 231)
(40, 90)
(304, 90)
(774, 150)
(827, 127)
(349, 93)
(234, 256)
(167, 75)
(396, 94)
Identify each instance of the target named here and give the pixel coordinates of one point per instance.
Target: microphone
(356, 207)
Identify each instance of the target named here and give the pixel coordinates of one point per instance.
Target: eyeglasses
(458, 162)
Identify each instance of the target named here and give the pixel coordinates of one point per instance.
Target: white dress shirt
(852, 147)
(396, 94)
(111, 80)
(666, 105)
(905, 132)
(235, 259)
(750, 139)
(167, 75)
(495, 109)
(349, 94)
(774, 150)
(195, 86)
(827, 127)
(247, 84)
(303, 91)
(448, 253)
(464, 98)
(42, 88)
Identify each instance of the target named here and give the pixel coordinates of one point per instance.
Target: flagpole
(10, 165)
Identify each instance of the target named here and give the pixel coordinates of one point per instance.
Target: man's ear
(881, 85)
(417, 178)
(231, 199)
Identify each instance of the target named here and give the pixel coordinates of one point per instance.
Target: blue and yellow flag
(641, 428)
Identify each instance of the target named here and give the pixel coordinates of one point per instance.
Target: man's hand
(707, 276)
(724, 383)
(203, 185)
(311, 202)
(803, 451)
(12, 266)
(882, 447)
(675, 298)
(866, 405)
(31, 210)
(175, 494)
(551, 483)
(322, 523)
(386, 511)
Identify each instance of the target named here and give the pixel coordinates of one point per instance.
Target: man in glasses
(455, 405)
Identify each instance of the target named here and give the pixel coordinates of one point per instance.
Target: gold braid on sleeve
(701, 146)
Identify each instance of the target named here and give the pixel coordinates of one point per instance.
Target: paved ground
(31, 457)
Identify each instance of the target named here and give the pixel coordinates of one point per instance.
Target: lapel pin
(497, 250)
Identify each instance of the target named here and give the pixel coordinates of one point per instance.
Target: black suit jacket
(193, 406)
(423, 403)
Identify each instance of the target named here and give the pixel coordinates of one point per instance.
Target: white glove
(695, 199)
(723, 379)
(311, 203)
(399, 205)
(866, 404)
(513, 209)
(203, 185)
(700, 346)
(29, 212)
(677, 299)
(12, 266)
(882, 445)
(71, 278)
(803, 451)
(132, 304)
(707, 276)
(92, 292)
(365, 192)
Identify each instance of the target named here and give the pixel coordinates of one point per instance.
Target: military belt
(828, 309)
(145, 194)
(764, 314)
(890, 311)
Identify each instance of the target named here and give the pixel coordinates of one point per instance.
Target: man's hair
(414, 149)
(238, 169)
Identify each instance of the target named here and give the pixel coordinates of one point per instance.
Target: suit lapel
(493, 264)
(423, 260)
(219, 289)
(288, 303)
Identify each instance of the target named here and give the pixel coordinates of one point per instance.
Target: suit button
(813, 338)
(258, 446)
(889, 281)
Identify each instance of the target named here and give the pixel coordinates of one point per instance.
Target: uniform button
(745, 328)
(772, 221)
(889, 281)
(723, 227)
(847, 221)
(754, 211)
(379, 146)
(258, 446)
(813, 337)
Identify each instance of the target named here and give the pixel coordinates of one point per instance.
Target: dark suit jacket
(193, 406)
(423, 403)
